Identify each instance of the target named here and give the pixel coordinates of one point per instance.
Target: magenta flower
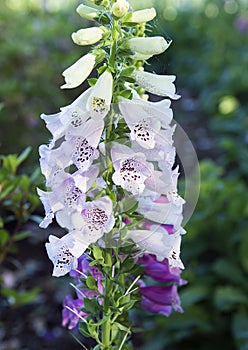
(160, 299)
(72, 312)
(158, 270)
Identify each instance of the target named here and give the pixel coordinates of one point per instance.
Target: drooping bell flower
(76, 74)
(72, 312)
(161, 85)
(148, 45)
(64, 252)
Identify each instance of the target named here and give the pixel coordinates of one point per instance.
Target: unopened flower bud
(148, 46)
(141, 16)
(87, 36)
(120, 8)
(87, 12)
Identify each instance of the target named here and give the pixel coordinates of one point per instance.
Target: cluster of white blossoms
(101, 156)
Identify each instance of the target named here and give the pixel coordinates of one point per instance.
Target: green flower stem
(106, 328)
(113, 49)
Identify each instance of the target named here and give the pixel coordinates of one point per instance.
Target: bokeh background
(209, 56)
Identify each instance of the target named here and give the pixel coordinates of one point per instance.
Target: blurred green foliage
(18, 200)
(209, 57)
(36, 48)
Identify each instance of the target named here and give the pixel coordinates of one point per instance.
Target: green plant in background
(18, 200)
(215, 300)
(210, 66)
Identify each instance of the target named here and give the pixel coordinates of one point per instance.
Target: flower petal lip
(87, 36)
(76, 74)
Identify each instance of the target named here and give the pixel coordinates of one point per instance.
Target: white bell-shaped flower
(64, 253)
(76, 74)
(157, 240)
(99, 101)
(161, 85)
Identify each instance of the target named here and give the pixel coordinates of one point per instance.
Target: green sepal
(91, 283)
(127, 265)
(126, 94)
(83, 329)
(91, 306)
(92, 81)
(97, 253)
(127, 72)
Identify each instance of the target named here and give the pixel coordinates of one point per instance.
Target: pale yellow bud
(148, 46)
(141, 16)
(87, 12)
(87, 36)
(120, 8)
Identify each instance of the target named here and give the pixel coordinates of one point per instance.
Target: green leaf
(83, 329)
(126, 94)
(240, 330)
(97, 252)
(23, 156)
(122, 327)
(22, 235)
(91, 306)
(1, 222)
(228, 298)
(91, 283)
(20, 297)
(243, 251)
(4, 237)
(127, 265)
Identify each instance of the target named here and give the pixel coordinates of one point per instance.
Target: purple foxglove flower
(160, 299)
(150, 306)
(161, 295)
(67, 196)
(70, 318)
(84, 267)
(52, 163)
(155, 241)
(160, 242)
(131, 169)
(81, 148)
(63, 252)
(169, 228)
(158, 270)
(166, 212)
(72, 115)
(94, 220)
(144, 127)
